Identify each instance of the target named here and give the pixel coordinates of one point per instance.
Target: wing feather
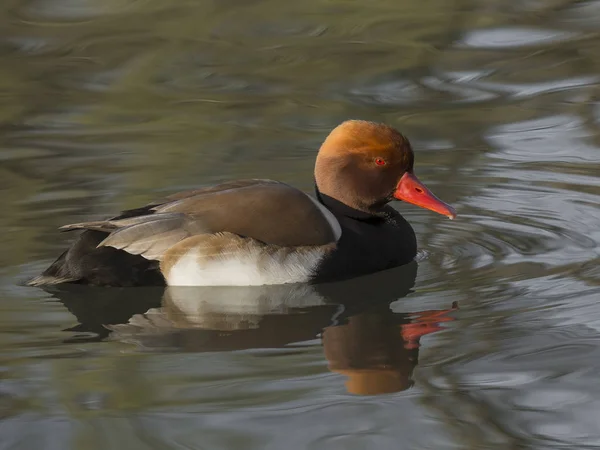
(152, 237)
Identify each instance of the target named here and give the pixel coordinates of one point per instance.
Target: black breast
(369, 243)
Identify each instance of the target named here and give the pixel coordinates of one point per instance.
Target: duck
(263, 232)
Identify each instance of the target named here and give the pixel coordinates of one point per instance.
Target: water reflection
(373, 347)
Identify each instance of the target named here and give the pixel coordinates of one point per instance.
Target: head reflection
(378, 350)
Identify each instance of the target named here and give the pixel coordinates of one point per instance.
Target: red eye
(380, 161)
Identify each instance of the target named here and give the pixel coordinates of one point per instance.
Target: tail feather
(55, 274)
(85, 263)
(47, 280)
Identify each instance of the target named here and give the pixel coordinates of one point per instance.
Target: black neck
(341, 209)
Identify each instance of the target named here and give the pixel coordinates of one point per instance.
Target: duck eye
(380, 161)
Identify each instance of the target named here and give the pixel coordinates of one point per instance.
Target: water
(493, 341)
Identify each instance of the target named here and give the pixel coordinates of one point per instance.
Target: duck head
(365, 165)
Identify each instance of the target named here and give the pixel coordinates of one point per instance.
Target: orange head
(365, 165)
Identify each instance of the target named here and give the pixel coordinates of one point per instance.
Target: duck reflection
(363, 339)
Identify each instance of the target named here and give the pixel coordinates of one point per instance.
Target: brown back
(268, 211)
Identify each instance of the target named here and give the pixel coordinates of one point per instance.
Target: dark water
(493, 341)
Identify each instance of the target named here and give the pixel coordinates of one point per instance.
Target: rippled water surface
(492, 340)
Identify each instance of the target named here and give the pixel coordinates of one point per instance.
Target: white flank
(251, 267)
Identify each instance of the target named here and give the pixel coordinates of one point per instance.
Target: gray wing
(265, 210)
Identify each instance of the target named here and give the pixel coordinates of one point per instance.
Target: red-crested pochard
(257, 232)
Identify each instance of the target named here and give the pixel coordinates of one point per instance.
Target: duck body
(264, 232)
(193, 239)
